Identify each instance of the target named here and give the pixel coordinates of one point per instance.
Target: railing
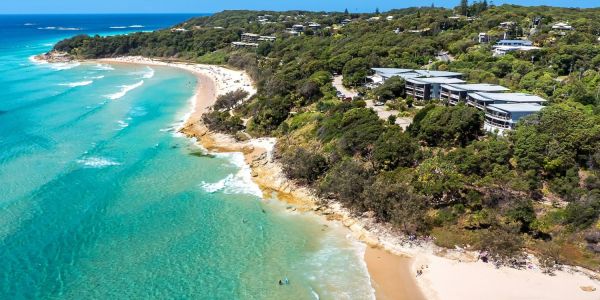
(498, 125)
(497, 116)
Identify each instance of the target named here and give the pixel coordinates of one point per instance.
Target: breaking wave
(124, 90)
(76, 84)
(60, 28)
(117, 27)
(146, 74)
(122, 124)
(97, 162)
(238, 183)
(101, 67)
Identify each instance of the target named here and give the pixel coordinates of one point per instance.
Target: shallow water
(100, 199)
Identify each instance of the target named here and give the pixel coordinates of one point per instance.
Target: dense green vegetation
(538, 187)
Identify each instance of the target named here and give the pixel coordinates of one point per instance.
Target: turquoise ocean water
(101, 199)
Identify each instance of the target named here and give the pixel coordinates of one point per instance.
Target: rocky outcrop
(55, 57)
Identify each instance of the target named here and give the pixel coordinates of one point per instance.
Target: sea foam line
(124, 90)
(238, 183)
(102, 67)
(76, 84)
(97, 162)
(146, 74)
(64, 66)
(60, 28)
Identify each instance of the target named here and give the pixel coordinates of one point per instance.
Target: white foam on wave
(136, 26)
(124, 90)
(146, 74)
(63, 66)
(238, 183)
(118, 27)
(95, 77)
(36, 61)
(102, 67)
(122, 124)
(48, 45)
(97, 162)
(333, 253)
(60, 28)
(76, 84)
(178, 126)
(29, 24)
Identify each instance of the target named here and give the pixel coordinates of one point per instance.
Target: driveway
(384, 114)
(337, 83)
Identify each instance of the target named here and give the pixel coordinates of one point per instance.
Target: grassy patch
(451, 236)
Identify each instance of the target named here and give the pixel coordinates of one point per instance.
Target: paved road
(445, 57)
(337, 83)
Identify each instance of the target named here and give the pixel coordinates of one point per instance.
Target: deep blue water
(101, 199)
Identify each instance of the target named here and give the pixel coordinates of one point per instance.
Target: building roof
(516, 107)
(507, 97)
(412, 73)
(426, 80)
(562, 25)
(515, 48)
(478, 87)
(515, 42)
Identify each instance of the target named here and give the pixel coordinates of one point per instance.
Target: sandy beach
(391, 259)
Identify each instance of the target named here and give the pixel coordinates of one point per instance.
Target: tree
(222, 122)
(393, 199)
(355, 71)
(377, 11)
(391, 88)
(464, 7)
(439, 180)
(346, 182)
(230, 100)
(449, 126)
(303, 165)
(395, 148)
(503, 244)
(346, 12)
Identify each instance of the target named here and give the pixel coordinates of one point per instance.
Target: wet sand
(390, 275)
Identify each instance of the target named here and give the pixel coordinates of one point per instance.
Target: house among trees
(264, 19)
(345, 22)
(505, 46)
(423, 31)
(452, 94)
(314, 26)
(251, 38)
(507, 25)
(561, 28)
(503, 117)
(298, 28)
(244, 45)
(483, 38)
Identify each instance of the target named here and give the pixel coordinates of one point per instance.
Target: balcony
(497, 116)
(498, 125)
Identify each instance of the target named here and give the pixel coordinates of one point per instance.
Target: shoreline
(391, 259)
